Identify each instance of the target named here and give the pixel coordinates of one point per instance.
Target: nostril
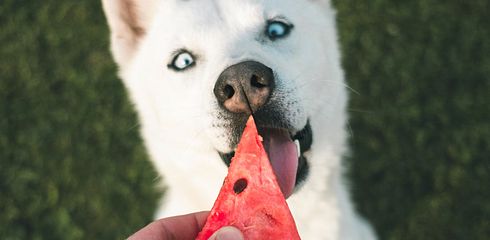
(229, 91)
(257, 82)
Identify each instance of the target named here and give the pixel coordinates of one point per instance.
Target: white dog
(196, 68)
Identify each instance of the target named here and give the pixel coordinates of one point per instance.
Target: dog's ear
(128, 21)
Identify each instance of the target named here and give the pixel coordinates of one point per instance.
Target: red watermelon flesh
(250, 198)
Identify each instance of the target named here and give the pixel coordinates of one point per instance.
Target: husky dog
(196, 69)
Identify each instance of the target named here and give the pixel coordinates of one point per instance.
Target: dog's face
(202, 67)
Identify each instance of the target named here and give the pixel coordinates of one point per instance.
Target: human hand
(184, 227)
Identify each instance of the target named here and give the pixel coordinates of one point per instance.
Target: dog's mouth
(286, 153)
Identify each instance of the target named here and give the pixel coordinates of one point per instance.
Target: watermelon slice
(250, 198)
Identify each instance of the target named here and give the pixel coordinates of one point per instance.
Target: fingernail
(227, 233)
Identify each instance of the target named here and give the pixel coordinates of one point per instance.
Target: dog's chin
(303, 140)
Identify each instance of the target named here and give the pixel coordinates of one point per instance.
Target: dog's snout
(242, 84)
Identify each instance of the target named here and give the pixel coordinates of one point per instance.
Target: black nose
(242, 84)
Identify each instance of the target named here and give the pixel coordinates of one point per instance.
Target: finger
(184, 227)
(227, 233)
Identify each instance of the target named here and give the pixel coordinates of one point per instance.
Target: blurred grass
(72, 162)
(421, 123)
(72, 165)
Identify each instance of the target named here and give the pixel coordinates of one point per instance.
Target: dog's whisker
(349, 128)
(323, 80)
(355, 110)
(134, 126)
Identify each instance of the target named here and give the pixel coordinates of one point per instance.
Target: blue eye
(182, 61)
(277, 29)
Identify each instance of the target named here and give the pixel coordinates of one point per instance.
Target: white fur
(178, 111)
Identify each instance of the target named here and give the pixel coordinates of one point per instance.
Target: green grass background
(72, 165)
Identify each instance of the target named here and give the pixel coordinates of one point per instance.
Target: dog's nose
(243, 84)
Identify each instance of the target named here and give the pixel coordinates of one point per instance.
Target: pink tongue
(283, 155)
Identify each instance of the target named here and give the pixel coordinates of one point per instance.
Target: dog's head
(200, 68)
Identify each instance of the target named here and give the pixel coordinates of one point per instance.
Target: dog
(196, 69)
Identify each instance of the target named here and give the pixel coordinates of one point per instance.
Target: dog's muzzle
(246, 88)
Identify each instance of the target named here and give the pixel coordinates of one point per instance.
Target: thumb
(227, 233)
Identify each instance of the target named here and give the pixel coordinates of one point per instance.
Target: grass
(420, 144)
(72, 165)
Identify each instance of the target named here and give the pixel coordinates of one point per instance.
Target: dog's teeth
(298, 147)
